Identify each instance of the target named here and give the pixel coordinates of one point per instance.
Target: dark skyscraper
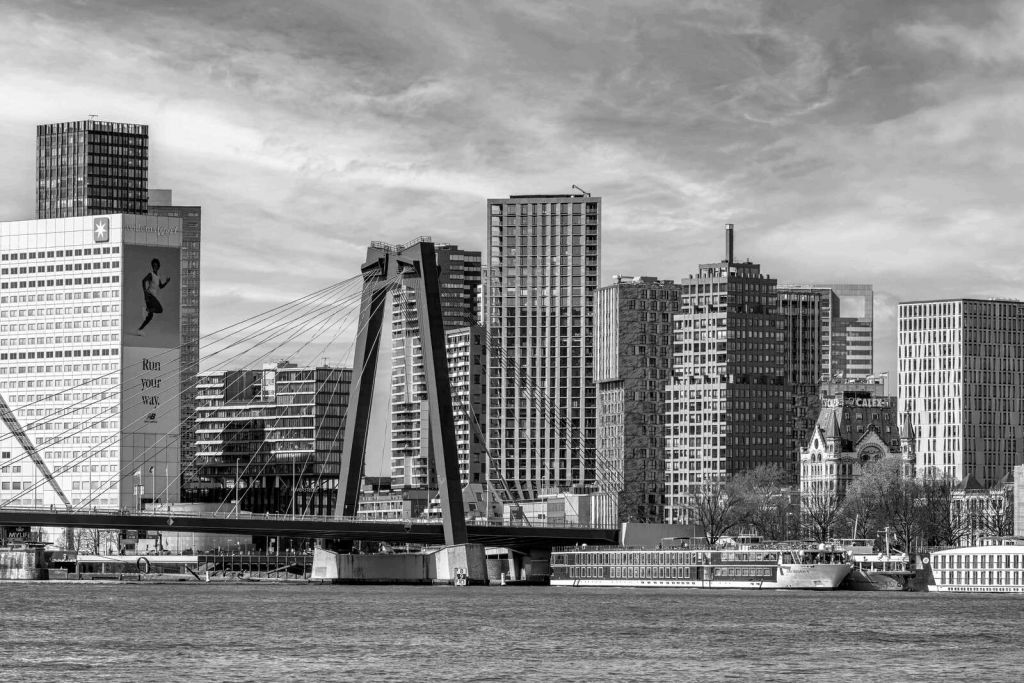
(728, 400)
(91, 167)
(633, 363)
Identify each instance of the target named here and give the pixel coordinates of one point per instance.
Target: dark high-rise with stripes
(84, 168)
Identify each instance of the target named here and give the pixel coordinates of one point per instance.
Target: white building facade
(961, 382)
(90, 343)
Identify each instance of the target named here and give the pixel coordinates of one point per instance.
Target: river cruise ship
(983, 569)
(809, 569)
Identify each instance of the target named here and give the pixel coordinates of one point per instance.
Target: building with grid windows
(633, 363)
(466, 352)
(161, 204)
(412, 465)
(961, 383)
(543, 260)
(89, 358)
(844, 317)
(86, 168)
(728, 402)
(270, 438)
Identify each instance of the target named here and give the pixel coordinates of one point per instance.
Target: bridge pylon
(415, 266)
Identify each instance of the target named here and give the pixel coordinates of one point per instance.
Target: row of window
(76, 353)
(993, 561)
(60, 253)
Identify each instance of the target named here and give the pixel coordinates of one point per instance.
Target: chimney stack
(728, 243)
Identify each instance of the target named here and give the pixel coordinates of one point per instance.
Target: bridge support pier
(536, 565)
(466, 558)
(443, 566)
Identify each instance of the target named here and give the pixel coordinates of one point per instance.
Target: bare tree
(94, 541)
(942, 522)
(999, 515)
(889, 499)
(820, 511)
(766, 501)
(718, 506)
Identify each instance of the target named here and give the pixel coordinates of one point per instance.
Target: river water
(238, 632)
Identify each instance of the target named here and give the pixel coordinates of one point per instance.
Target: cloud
(993, 42)
(874, 142)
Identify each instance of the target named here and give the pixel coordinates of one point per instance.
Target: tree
(766, 502)
(93, 541)
(887, 499)
(999, 518)
(820, 513)
(942, 523)
(717, 505)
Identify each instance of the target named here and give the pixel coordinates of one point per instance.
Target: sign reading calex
(850, 402)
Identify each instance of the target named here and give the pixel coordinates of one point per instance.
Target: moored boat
(981, 569)
(815, 568)
(875, 571)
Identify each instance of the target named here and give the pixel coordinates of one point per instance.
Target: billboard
(151, 307)
(151, 337)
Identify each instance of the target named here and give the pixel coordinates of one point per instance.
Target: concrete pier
(22, 563)
(441, 566)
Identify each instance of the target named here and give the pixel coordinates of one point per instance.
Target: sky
(865, 141)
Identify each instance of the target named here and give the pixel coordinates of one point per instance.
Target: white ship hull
(981, 569)
(976, 589)
(789, 577)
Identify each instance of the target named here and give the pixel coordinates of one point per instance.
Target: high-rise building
(89, 357)
(161, 204)
(85, 168)
(727, 406)
(633, 363)
(543, 259)
(807, 325)
(412, 464)
(845, 319)
(466, 367)
(853, 330)
(270, 438)
(961, 383)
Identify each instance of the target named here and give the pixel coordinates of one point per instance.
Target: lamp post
(237, 502)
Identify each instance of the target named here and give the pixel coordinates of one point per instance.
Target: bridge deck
(408, 531)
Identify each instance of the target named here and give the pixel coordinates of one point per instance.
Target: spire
(832, 428)
(907, 429)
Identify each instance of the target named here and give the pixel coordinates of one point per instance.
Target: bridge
(418, 531)
(387, 268)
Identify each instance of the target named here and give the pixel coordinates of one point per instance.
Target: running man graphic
(153, 306)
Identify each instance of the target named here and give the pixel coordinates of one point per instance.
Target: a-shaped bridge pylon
(7, 415)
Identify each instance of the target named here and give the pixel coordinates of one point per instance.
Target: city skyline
(860, 136)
